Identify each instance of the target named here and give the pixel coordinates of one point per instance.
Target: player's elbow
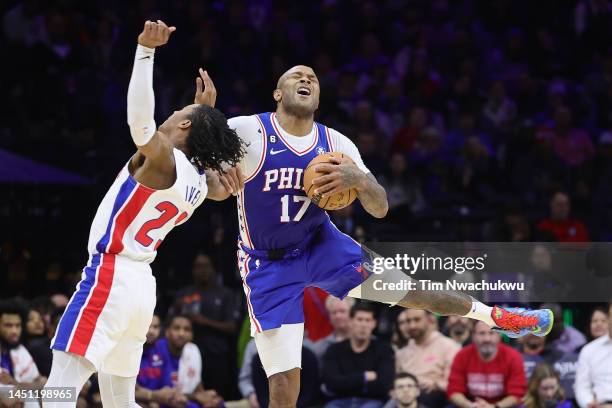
(381, 210)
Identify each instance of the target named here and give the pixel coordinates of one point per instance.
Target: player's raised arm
(141, 99)
(221, 184)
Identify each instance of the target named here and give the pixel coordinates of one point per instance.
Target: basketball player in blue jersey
(175, 167)
(287, 243)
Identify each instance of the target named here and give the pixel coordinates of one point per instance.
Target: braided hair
(211, 142)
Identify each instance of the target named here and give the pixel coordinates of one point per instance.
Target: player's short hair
(13, 307)
(211, 142)
(402, 375)
(171, 317)
(362, 307)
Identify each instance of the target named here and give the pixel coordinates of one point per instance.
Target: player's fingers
(208, 81)
(326, 187)
(323, 179)
(172, 29)
(240, 177)
(325, 168)
(335, 160)
(333, 191)
(198, 86)
(231, 181)
(225, 183)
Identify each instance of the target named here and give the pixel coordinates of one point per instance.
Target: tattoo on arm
(373, 197)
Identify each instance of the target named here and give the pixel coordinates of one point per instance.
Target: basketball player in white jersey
(176, 166)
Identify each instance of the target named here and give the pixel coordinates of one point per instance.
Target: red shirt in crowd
(316, 319)
(565, 230)
(491, 381)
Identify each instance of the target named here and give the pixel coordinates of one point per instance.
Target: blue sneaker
(516, 322)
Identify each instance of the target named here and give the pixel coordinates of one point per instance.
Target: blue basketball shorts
(330, 260)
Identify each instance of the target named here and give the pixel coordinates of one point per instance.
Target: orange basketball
(335, 202)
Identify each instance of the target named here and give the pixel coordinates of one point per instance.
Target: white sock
(482, 312)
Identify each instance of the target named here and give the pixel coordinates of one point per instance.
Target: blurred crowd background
(484, 120)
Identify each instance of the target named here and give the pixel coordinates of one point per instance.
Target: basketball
(335, 202)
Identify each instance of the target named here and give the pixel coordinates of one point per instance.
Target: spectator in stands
(544, 390)
(170, 372)
(35, 326)
(406, 391)
(406, 137)
(215, 313)
(17, 367)
(245, 378)
(459, 328)
(572, 145)
(40, 348)
(535, 351)
(598, 323)
(401, 336)
(474, 169)
(486, 373)
(403, 189)
(368, 145)
(359, 371)
(499, 111)
(428, 355)
(563, 337)
(559, 224)
(593, 385)
(339, 316)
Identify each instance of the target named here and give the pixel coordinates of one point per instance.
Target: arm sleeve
(516, 385)
(582, 385)
(342, 144)
(250, 132)
(337, 381)
(245, 378)
(141, 99)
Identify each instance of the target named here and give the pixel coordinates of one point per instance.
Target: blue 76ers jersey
(274, 211)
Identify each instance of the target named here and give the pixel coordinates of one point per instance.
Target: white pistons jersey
(133, 219)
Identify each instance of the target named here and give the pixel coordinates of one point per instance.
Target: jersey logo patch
(320, 150)
(273, 152)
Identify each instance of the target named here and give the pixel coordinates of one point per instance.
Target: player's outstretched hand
(206, 93)
(155, 34)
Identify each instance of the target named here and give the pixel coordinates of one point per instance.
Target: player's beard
(8, 346)
(297, 109)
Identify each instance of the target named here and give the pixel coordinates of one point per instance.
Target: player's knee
(284, 388)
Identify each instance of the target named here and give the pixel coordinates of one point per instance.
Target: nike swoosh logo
(273, 152)
(147, 57)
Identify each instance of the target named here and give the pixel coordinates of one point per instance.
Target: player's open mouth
(304, 91)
